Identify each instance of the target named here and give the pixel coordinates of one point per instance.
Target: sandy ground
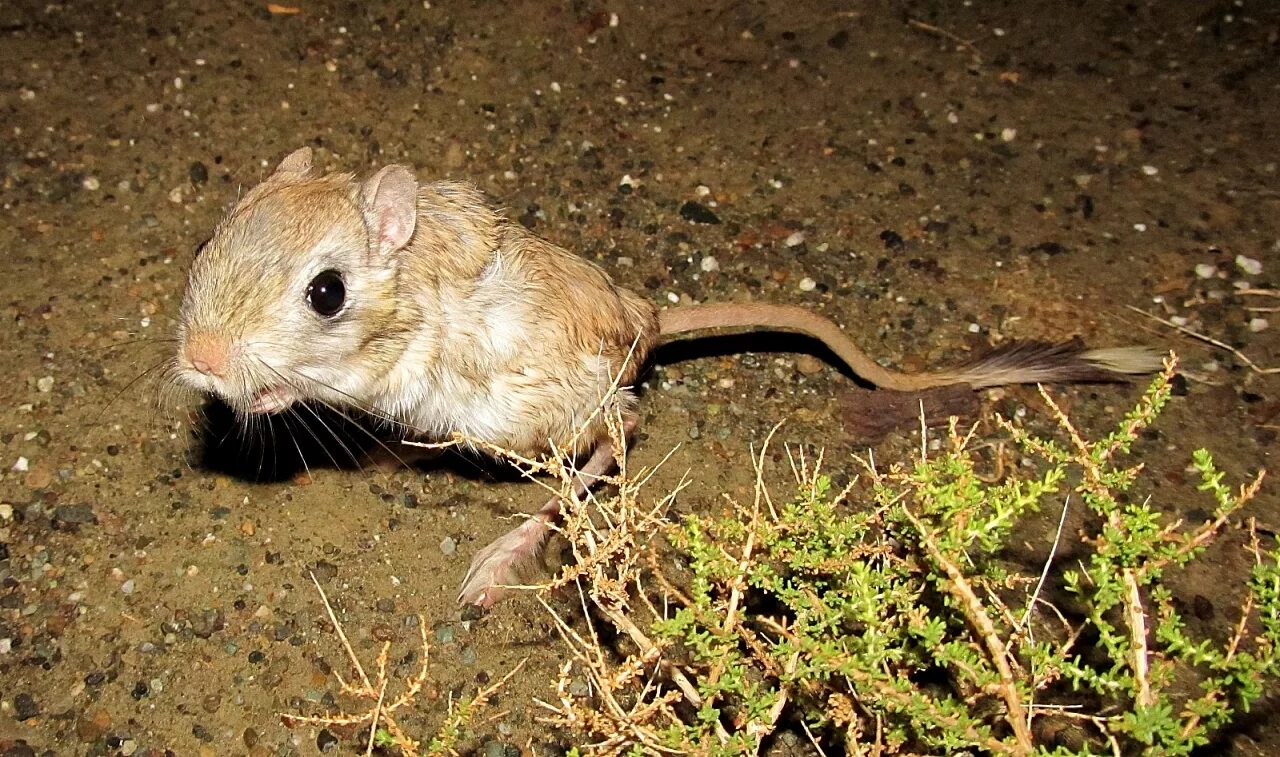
(937, 176)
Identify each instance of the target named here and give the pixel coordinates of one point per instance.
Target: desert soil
(938, 177)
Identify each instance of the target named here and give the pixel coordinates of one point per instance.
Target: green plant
(886, 617)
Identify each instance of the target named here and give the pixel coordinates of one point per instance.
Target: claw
(495, 568)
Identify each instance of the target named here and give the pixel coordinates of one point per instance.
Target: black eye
(325, 293)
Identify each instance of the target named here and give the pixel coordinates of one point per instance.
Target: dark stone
(1048, 248)
(839, 40)
(71, 516)
(892, 240)
(326, 741)
(198, 173)
(324, 570)
(696, 212)
(25, 706)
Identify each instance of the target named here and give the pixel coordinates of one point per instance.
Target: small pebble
(696, 212)
(91, 183)
(198, 173)
(1258, 324)
(45, 383)
(448, 546)
(1150, 170)
(1249, 265)
(1206, 270)
(807, 284)
(709, 264)
(795, 239)
(22, 465)
(809, 365)
(25, 707)
(1008, 135)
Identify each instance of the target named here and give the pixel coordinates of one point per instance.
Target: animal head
(295, 285)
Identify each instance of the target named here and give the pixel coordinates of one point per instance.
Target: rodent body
(421, 304)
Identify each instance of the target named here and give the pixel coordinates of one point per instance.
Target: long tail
(1014, 363)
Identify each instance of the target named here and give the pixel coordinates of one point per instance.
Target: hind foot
(496, 567)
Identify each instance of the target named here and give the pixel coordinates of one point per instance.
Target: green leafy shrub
(893, 622)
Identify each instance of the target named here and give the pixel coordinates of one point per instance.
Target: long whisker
(314, 437)
(301, 457)
(129, 385)
(354, 460)
(338, 411)
(356, 402)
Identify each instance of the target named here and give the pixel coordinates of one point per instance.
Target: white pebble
(128, 586)
(1249, 265)
(709, 264)
(1139, 227)
(795, 239)
(91, 183)
(807, 284)
(22, 465)
(1150, 170)
(1258, 324)
(625, 262)
(673, 298)
(1009, 135)
(45, 383)
(974, 328)
(702, 190)
(175, 195)
(1178, 320)
(6, 511)
(1206, 270)
(555, 86)
(448, 546)
(627, 181)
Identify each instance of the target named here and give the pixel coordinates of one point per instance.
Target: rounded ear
(390, 203)
(296, 164)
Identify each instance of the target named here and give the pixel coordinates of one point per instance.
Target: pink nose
(208, 354)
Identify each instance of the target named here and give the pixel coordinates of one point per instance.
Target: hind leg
(497, 564)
